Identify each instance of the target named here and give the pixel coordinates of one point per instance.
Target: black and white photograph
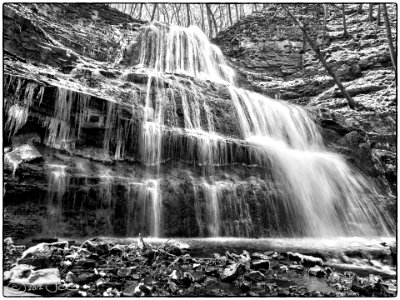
(199, 149)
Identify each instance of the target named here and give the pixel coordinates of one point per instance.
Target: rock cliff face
(92, 140)
(270, 53)
(68, 92)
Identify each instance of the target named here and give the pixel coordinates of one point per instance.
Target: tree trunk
(237, 12)
(212, 18)
(140, 11)
(393, 54)
(370, 12)
(350, 100)
(188, 14)
(210, 28)
(324, 29)
(154, 12)
(360, 10)
(220, 17)
(378, 17)
(345, 33)
(230, 14)
(166, 14)
(203, 26)
(132, 9)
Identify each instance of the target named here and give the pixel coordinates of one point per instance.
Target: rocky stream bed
(100, 267)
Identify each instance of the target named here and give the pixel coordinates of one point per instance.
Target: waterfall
(322, 194)
(174, 49)
(315, 192)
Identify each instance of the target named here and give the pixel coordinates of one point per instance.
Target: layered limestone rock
(84, 113)
(138, 134)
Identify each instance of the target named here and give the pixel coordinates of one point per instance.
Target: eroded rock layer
(145, 131)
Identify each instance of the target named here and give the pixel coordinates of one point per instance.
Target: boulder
(260, 264)
(117, 250)
(317, 271)
(18, 271)
(176, 247)
(259, 256)
(23, 153)
(38, 256)
(255, 276)
(362, 289)
(96, 245)
(231, 272)
(296, 267)
(26, 276)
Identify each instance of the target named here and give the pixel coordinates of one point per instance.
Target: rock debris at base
(97, 268)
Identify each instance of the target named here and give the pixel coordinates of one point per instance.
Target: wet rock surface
(361, 60)
(94, 268)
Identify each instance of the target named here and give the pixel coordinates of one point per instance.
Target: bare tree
(154, 12)
(140, 11)
(370, 12)
(210, 27)
(203, 27)
(229, 14)
(378, 17)
(211, 19)
(188, 14)
(325, 13)
(393, 56)
(237, 12)
(345, 33)
(350, 100)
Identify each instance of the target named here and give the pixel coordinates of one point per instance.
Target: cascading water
(58, 184)
(323, 196)
(316, 192)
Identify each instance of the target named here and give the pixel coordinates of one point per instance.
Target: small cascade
(70, 112)
(324, 197)
(210, 193)
(57, 187)
(174, 49)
